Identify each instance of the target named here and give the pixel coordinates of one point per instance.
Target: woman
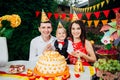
(82, 47)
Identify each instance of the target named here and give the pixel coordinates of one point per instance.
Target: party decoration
(75, 17)
(60, 25)
(49, 14)
(88, 15)
(37, 13)
(44, 17)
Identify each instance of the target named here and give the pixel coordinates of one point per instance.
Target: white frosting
(51, 62)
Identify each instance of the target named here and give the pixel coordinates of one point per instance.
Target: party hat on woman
(44, 17)
(75, 17)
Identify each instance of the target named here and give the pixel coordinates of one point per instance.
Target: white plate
(28, 65)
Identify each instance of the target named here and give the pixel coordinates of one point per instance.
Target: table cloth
(5, 75)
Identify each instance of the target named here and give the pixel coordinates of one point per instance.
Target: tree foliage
(18, 44)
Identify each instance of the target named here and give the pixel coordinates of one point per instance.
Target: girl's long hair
(83, 31)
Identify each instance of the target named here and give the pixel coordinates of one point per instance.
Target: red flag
(106, 13)
(63, 15)
(37, 13)
(97, 14)
(116, 10)
(71, 16)
(49, 14)
(88, 15)
(56, 15)
(79, 16)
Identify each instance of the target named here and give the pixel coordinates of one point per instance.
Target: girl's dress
(78, 47)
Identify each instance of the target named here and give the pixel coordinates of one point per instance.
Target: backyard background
(19, 43)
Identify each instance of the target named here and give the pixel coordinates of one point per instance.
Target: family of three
(71, 48)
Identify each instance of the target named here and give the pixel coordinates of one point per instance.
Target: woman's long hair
(83, 31)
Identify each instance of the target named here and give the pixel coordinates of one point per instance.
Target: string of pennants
(90, 8)
(88, 15)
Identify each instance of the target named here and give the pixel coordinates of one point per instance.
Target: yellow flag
(89, 23)
(102, 3)
(104, 22)
(98, 5)
(107, 1)
(96, 22)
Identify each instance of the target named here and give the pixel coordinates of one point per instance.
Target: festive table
(5, 75)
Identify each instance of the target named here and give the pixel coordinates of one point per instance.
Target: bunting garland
(80, 15)
(94, 7)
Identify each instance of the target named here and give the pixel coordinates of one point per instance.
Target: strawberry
(77, 75)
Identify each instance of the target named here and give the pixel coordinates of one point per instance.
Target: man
(40, 43)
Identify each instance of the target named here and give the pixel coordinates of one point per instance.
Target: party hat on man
(60, 25)
(44, 17)
(75, 17)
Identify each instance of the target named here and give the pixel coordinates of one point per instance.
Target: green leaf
(113, 24)
(8, 33)
(118, 32)
(108, 46)
(112, 30)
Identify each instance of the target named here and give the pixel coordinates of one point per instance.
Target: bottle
(78, 66)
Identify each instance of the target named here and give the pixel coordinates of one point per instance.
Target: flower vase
(3, 51)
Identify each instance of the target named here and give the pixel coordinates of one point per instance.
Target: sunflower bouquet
(8, 23)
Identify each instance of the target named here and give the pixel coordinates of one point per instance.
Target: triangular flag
(44, 17)
(87, 9)
(97, 14)
(80, 15)
(96, 22)
(107, 1)
(102, 3)
(106, 13)
(75, 17)
(83, 21)
(90, 8)
(94, 7)
(37, 13)
(71, 16)
(98, 5)
(49, 15)
(104, 22)
(89, 23)
(88, 15)
(63, 15)
(56, 15)
(116, 10)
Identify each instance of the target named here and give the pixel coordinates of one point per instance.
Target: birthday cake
(51, 64)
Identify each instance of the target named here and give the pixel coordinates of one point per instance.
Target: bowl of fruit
(107, 69)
